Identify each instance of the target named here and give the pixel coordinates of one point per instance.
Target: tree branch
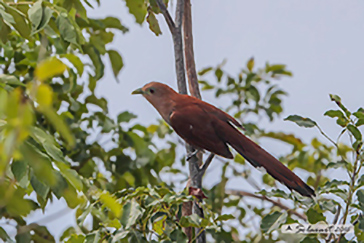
(189, 53)
(196, 173)
(262, 197)
(206, 164)
(179, 13)
(166, 15)
(176, 31)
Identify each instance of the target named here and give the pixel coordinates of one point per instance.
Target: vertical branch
(196, 173)
(178, 48)
(176, 31)
(183, 14)
(189, 53)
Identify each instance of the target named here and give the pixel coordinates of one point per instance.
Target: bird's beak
(137, 91)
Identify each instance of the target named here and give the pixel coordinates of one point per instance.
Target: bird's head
(161, 96)
(155, 92)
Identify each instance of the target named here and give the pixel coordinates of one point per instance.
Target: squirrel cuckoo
(206, 127)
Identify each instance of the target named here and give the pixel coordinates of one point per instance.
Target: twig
(351, 193)
(53, 216)
(167, 16)
(20, 3)
(334, 222)
(206, 164)
(262, 197)
(326, 136)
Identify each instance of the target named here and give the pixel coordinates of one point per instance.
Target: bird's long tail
(258, 157)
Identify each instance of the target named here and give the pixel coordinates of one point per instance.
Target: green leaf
(224, 217)
(39, 187)
(71, 175)
(337, 100)
(95, 57)
(178, 236)
(112, 22)
(192, 220)
(153, 23)
(101, 102)
(15, 203)
(132, 212)
(253, 93)
(359, 122)
(158, 224)
(116, 61)
(61, 186)
(19, 169)
(206, 85)
(137, 8)
(39, 162)
(4, 31)
(359, 113)
(54, 152)
(126, 116)
(275, 67)
(35, 14)
(360, 195)
(119, 235)
(48, 143)
(44, 95)
(301, 121)
(340, 164)
(204, 71)
(272, 221)
(4, 236)
(314, 215)
(310, 239)
(66, 29)
(49, 68)
(250, 64)
(93, 237)
(110, 202)
(218, 74)
(10, 79)
(76, 239)
(329, 206)
(20, 24)
(47, 14)
(67, 233)
(59, 125)
(76, 62)
(81, 11)
(334, 113)
(6, 16)
(115, 223)
(355, 131)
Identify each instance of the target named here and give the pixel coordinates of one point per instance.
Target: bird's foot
(190, 155)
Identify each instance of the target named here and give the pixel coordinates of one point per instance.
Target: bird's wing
(258, 157)
(196, 127)
(207, 127)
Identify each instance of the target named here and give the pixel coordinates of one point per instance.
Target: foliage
(57, 140)
(338, 201)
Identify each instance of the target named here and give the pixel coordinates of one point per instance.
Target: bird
(206, 127)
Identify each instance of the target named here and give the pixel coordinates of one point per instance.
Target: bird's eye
(151, 90)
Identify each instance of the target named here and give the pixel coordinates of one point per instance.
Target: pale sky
(320, 41)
